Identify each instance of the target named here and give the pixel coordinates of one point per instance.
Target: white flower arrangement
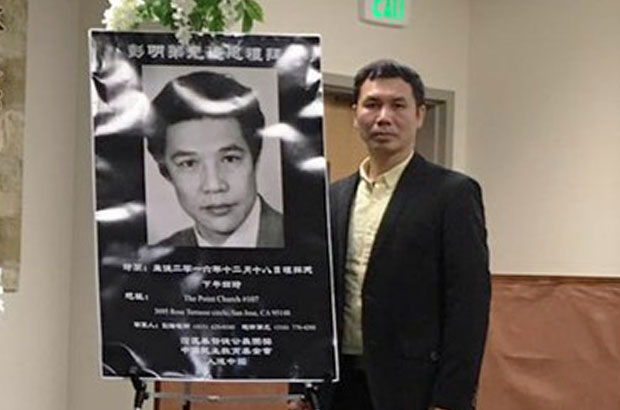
(122, 14)
(183, 16)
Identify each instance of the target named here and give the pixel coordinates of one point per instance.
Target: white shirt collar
(246, 235)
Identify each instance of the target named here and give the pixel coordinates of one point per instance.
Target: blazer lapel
(344, 199)
(403, 193)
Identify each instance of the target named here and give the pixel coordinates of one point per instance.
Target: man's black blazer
(426, 290)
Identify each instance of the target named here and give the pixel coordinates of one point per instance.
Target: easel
(310, 396)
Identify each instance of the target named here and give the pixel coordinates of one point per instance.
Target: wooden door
(344, 149)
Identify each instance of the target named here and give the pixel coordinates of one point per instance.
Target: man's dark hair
(389, 69)
(204, 94)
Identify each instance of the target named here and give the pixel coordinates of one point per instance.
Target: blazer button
(434, 356)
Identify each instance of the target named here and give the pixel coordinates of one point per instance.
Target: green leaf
(198, 17)
(216, 22)
(196, 21)
(248, 22)
(145, 13)
(162, 10)
(254, 10)
(206, 4)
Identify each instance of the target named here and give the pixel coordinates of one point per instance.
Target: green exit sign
(387, 12)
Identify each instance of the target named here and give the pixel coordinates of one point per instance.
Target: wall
(544, 133)
(87, 389)
(436, 43)
(34, 329)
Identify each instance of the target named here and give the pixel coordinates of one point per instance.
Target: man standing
(411, 261)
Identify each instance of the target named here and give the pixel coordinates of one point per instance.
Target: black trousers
(352, 391)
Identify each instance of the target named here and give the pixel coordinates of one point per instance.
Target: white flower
(184, 6)
(183, 34)
(122, 14)
(230, 11)
(182, 10)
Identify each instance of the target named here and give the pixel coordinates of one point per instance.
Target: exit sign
(387, 12)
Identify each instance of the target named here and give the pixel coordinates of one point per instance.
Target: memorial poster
(211, 210)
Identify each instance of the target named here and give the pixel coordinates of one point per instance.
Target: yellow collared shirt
(371, 200)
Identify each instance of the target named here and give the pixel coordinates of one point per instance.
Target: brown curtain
(553, 344)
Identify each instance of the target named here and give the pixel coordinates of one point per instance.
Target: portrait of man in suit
(410, 261)
(206, 140)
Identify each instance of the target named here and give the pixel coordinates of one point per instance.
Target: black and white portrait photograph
(212, 175)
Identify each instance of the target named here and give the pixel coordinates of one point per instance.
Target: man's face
(387, 117)
(210, 165)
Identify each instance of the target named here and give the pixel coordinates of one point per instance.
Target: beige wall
(34, 340)
(544, 133)
(87, 390)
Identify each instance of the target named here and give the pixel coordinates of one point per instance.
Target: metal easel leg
(187, 405)
(139, 386)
